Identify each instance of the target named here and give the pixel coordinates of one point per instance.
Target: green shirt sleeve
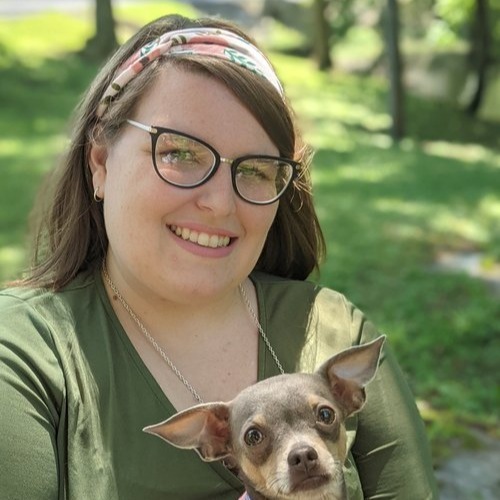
(391, 451)
(31, 397)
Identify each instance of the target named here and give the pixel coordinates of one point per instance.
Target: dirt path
(472, 475)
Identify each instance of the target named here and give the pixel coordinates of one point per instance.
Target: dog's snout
(304, 458)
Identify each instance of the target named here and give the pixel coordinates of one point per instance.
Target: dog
(284, 436)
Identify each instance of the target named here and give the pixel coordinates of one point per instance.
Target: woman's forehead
(202, 106)
(178, 90)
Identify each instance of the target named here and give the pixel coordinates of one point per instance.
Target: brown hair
(70, 235)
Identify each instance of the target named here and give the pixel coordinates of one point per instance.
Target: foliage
(455, 12)
(447, 22)
(387, 211)
(342, 17)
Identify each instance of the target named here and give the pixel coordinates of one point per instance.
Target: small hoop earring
(97, 198)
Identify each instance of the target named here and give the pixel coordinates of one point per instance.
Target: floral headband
(206, 41)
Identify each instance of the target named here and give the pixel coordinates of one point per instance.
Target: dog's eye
(253, 437)
(325, 415)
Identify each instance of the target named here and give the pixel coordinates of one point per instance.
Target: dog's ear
(350, 371)
(204, 428)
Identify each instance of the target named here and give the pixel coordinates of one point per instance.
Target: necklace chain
(253, 314)
(164, 355)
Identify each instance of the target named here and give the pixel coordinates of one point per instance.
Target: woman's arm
(28, 406)
(391, 449)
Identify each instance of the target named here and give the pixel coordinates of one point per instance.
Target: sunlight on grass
(452, 223)
(332, 106)
(35, 149)
(275, 36)
(404, 207)
(470, 153)
(57, 34)
(490, 207)
(327, 106)
(370, 175)
(10, 146)
(12, 258)
(148, 11)
(360, 43)
(381, 141)
(330, 135)
(131, 17)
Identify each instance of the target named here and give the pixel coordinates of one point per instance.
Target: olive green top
(75, 396)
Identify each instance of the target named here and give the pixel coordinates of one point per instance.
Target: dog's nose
(304, 458)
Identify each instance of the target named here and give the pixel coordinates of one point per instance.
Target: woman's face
(144, 214)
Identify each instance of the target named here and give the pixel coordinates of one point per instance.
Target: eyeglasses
(187, 162)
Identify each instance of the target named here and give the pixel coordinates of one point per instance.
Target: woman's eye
(250, 171)
(325, 415)
(256, 172)
(178, 156)
(253, 437)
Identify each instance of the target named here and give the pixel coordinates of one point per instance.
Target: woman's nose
(218, 193)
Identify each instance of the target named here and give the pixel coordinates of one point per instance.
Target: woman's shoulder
(316, 296)
(32, 315)
(330, 320)
(39, 325)
(37, 300)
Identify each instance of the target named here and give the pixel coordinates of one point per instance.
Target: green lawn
(386, 210)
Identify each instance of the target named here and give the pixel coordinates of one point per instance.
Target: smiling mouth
(200, 238)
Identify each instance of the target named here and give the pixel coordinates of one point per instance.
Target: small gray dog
(284, 435)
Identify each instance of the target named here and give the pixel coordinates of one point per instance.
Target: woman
(170, 269)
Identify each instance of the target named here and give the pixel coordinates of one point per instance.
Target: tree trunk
(321, 34)
(395, 71)
(480, 53)
(104, 41)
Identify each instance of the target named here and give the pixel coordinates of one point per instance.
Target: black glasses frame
(155, 133)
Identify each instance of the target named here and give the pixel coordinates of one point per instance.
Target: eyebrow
(154, 129)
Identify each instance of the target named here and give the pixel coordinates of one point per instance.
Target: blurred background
(401, 101)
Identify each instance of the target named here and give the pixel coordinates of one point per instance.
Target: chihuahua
(284, 436)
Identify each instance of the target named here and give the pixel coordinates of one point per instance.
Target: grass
(387, 210)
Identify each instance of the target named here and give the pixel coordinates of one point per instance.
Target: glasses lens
(263, 180)
(181, 160)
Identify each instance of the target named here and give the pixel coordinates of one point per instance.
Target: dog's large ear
(350, 371)
(204, 428)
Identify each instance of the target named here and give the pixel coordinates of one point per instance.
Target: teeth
(202, 239)
(213, 242)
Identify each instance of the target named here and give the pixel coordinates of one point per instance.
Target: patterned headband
(206, 41)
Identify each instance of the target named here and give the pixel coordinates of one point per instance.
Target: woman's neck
(185, 306)
(213, 343)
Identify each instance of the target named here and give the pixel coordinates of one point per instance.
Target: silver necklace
(163, 354)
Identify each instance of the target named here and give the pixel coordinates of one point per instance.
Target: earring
(97, 198)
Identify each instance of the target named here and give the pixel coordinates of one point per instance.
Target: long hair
(70, 235)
